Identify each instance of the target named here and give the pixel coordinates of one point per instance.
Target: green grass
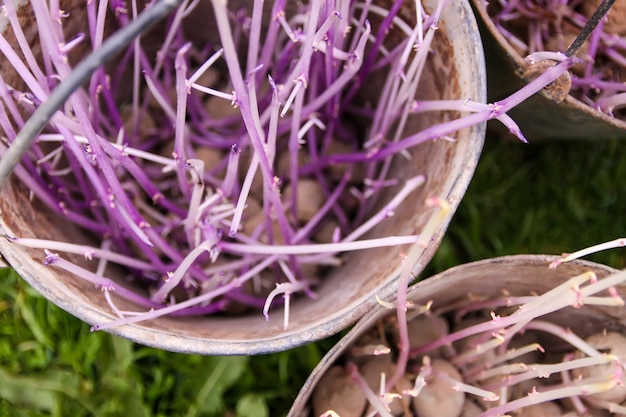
(537, 198)
(540, 198)
(51, 365)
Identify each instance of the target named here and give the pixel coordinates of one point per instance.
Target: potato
(338, 392)
(438, 397)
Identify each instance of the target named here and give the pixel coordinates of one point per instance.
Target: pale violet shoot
(617, 243)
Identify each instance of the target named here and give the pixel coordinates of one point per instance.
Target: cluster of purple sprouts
(484, 356)
(544, 29)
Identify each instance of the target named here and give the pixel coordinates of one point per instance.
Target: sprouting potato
(220, 108)
(616, 18)
(326, 231)
(209, 78)
(611, 343)
(438, 397)
(470, 409)
(469, 344)
(371, 370)
(284, 162)
(336, 391)
(424, 329)
(547, 409)
(210, 156)
(145, 124)
(309, 198)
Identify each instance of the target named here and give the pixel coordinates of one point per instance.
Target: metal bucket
(518, 275)
(455, 71)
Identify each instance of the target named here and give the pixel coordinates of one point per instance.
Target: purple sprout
(211, 179)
